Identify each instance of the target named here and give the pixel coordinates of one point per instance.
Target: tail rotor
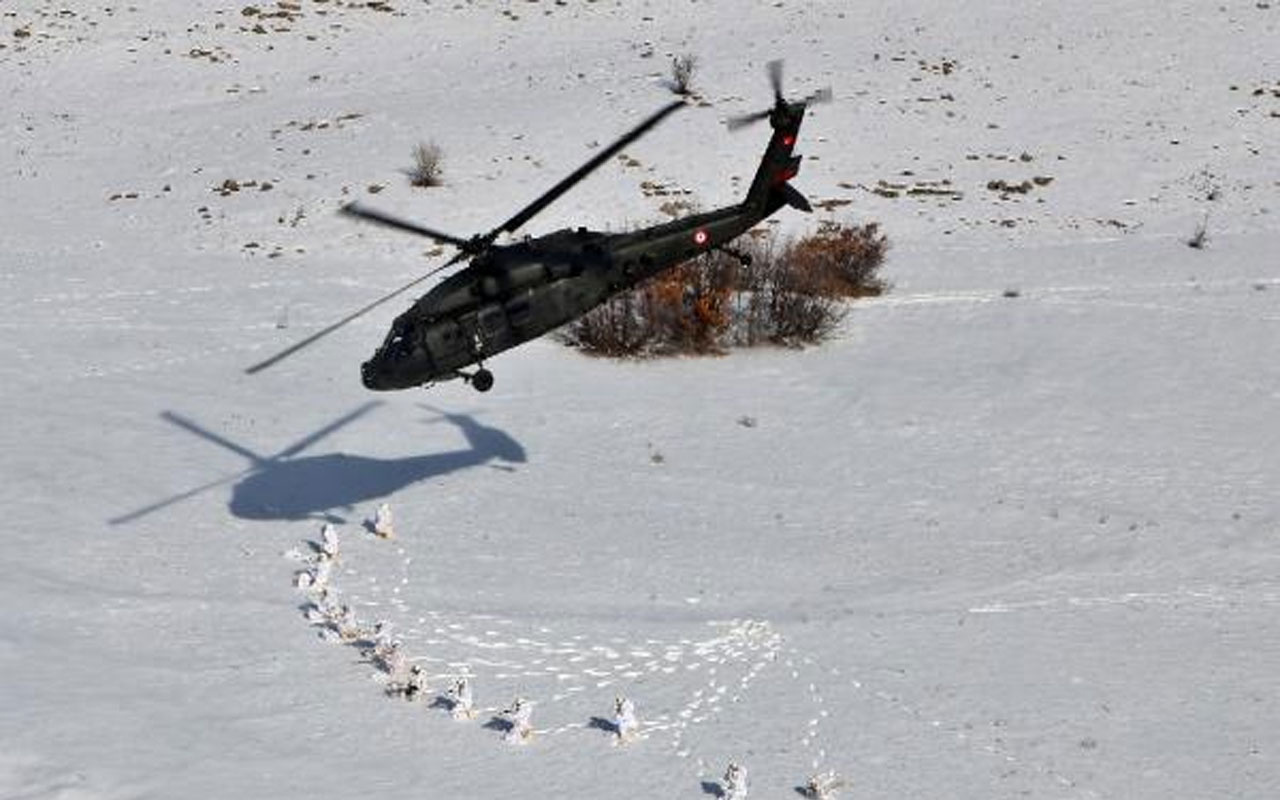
(780, 104)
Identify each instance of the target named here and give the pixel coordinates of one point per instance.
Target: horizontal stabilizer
(794, 199)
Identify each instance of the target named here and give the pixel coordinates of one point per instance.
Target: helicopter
(511, 293)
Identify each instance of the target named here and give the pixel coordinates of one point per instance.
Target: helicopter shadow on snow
(289, 486)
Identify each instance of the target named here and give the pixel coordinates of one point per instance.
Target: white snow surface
(977, 546)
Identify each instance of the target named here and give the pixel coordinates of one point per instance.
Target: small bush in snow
(428, 165)
(1200, 237)
(682, 69)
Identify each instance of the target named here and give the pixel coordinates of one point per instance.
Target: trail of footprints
(550, 668)
(570, 678)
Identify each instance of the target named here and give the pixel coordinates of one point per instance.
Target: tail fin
(770, 189)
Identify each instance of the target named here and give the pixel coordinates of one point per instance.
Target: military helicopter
(511, 293)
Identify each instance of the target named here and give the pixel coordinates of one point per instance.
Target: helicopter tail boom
(770, 189)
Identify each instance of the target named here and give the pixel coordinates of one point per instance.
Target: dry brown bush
(787, 293)
(688, 307)
(428, 165)
(801, 308)
(618, 328)
(842, 260)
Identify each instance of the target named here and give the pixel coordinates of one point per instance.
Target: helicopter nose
(368, 375)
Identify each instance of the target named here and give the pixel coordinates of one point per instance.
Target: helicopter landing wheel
(482, 381)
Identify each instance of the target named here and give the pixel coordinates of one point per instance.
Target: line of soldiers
(410, 682)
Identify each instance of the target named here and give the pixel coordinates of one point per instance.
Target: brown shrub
(619, 328)
(842, 260)
(802, 306)
(788, 293)
(689, 306)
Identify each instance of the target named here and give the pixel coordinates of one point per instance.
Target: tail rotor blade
(313, 338)
(780, 104)
(743, 121)
(775, 78)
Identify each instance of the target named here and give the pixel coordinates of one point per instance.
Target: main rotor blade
(372, 215)
(288, 351)
(256, 461)
(563, 186)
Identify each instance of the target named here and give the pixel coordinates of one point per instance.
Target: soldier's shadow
(291, 487)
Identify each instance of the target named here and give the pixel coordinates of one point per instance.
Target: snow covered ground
(1013, 533)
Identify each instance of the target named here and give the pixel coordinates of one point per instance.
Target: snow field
(1012, 533)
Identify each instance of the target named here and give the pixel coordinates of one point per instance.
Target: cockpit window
(399, 341)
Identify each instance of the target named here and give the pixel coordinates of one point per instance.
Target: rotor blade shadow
(169, 501)
(341, 422)
(209, 436)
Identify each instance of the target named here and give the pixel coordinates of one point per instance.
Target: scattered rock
(833, 203)
(1004, 187)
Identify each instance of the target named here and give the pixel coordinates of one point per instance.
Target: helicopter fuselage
(519, 292)
(509, 294)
